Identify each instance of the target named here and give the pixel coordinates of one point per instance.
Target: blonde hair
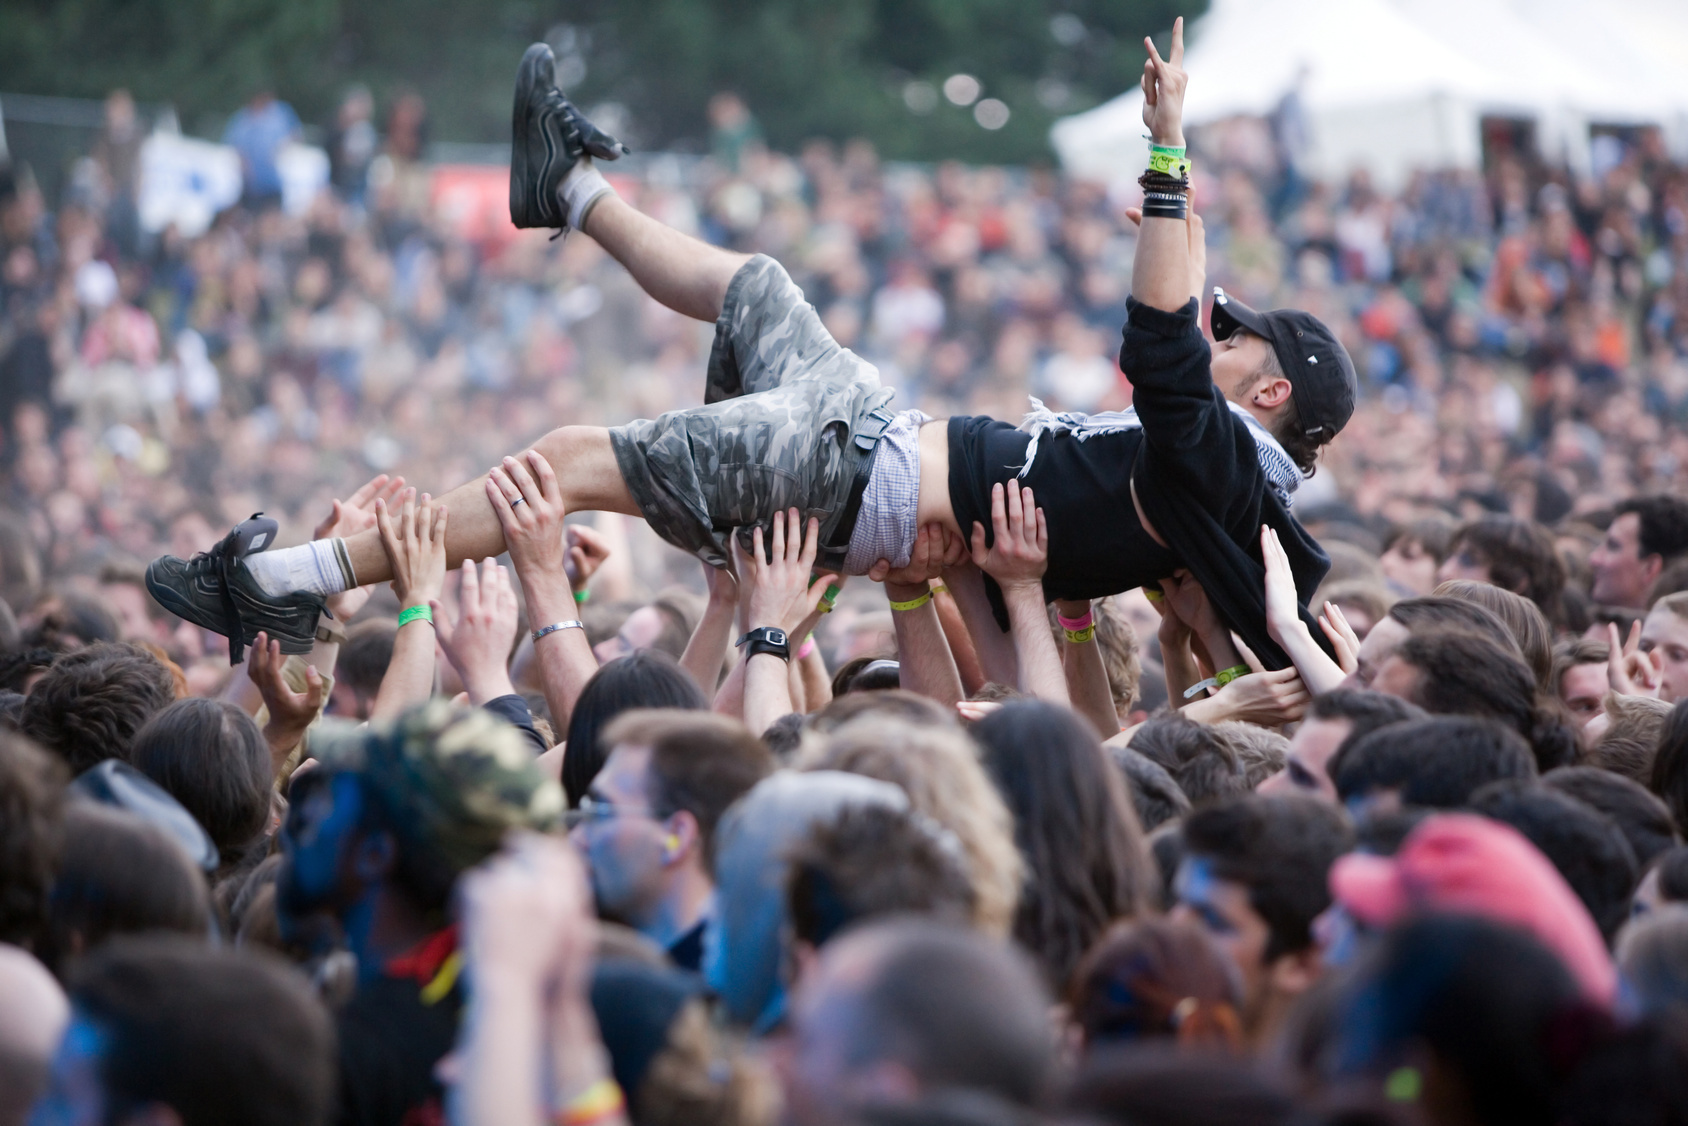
(939, 770)
(1676, 603)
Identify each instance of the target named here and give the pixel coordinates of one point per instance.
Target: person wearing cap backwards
(797, 428)
(376, 836)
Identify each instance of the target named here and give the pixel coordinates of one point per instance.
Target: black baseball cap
(1320, 371)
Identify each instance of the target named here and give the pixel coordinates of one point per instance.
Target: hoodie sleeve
(1190, 434)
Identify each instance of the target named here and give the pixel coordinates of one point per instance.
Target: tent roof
(1529, 57)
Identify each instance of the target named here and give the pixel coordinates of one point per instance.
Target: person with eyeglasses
(646, 825)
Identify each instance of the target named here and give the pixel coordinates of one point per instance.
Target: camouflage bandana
(453, 779)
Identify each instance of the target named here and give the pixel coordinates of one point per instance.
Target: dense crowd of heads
(1439, 879)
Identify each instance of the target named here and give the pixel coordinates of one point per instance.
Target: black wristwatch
(767, 639)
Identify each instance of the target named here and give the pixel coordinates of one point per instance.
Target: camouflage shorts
(782, 401)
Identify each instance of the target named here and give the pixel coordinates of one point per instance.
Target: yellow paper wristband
(1080, 636)
(601, 1100)
(1170, 164)
(913, 603)
(1228, 675)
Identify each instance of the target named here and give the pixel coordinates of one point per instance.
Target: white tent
(1399, 84)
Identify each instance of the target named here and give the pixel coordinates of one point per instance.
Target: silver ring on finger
(518, 500)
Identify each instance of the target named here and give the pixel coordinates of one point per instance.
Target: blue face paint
(319, 824)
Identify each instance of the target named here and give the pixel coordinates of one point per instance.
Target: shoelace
(220, 561)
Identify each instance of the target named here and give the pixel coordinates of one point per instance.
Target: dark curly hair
(90, 704)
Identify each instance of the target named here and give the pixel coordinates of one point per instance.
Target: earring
(673, 843)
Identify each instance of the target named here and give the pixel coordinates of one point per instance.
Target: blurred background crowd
(1522, 335)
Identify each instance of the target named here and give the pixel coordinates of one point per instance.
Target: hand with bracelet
(1185, 597)
(923, 652)
(777, 593)
(528, 502)
(414, 541)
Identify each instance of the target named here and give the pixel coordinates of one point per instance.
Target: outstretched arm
(1016, 559)
(1284, 623)
(1160, 276)
(529, 506)
(923, 651)
(1087, 675)
(415, 546)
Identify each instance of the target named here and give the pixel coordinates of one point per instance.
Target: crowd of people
(1080, 871)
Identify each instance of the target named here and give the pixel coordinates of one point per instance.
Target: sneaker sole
(165, 593)
(521, 120)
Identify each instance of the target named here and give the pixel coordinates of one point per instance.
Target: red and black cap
(1320, 371)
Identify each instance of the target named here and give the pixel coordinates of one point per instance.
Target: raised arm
(706, 650)
(529, 505)
(778, 595)
(1081, 661)
(1283, 620)
(1016, 559)
(923, 652)
(414, 541)
(1160, 276)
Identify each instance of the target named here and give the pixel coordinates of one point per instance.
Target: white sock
(582, 188)
(321, 567)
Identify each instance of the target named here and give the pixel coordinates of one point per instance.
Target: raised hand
(1267, 699)
(1020, 552)
(1164, 81)
(290, 712)
(524, 908)
(348, 518)
(478, 644)
(935, 548)
(414, 541)
(357, 514)
(1629, 671)
(1283, 607)
(1187, 601)
(529, 503)
(1342, 637)
(587, 550)
(778, 590)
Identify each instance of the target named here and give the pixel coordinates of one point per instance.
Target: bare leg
(586, 470)
(684, 273)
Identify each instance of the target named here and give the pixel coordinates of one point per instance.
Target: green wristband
(580, 597)
(1175, 150)
(416, 614)
(1226, 676)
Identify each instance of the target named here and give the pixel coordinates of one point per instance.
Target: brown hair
(1528, 626)
(700, 762)
(1153, 978)
(31, 830)
(92, 702)
(1635, 726)
(938, 768)
(1521, 557)
(700, 1078)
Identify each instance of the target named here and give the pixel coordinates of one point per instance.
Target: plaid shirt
(889, 517)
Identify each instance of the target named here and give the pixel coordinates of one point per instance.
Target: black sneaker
(548, 135)
(215, 591)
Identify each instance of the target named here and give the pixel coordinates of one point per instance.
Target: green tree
(837, 68)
